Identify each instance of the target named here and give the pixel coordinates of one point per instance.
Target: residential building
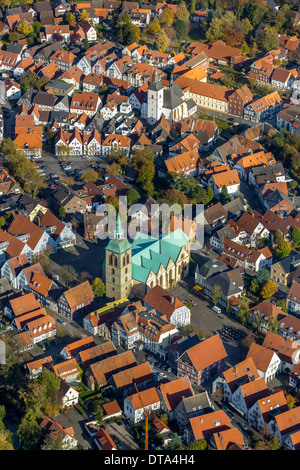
(136, 404)
(76, 300)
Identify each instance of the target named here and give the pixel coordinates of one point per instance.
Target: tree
(181, 29)
(167, 17)
(274, 443)
(269, 39)
(254, 286)
(70, 18)
(53, 442)
(89, 175)
(114, 169)
(224, 193)
(182, 12)
(175, 443)
(162, 40)
(281, 303)
(142, 161)
(243, 313)
(25, 28)
(98, 287)
(278, 236)
(84, 16)
(173, 196)
(132, 197)
(296, 235)
(293, 185)
(269, 289)
(62, 213)
(29, 434)
(216, 294)
(290, 400)
(198, 445)
(2, 221)
(283, 248)
(263, 276)
(154, 26)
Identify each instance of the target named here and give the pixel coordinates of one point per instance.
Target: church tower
(118, 268)
(155, 99)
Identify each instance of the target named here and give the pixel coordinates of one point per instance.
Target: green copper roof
(119, 245)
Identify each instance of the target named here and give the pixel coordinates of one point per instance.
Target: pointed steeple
(155, 84)
(119, 232)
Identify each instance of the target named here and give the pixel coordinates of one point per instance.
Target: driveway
(121, 436)
(75, 420)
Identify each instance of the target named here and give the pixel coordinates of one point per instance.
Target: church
(131, 269)
(171, 102)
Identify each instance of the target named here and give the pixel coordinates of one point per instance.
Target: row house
(265, 107)
(267, 361)
(246, 257)
(136, 404)
(63, 59)
(245, 163)
(263, 411)
(167, 305)
(72, 350)
(57, 32)
(189, 407)
(29, 233)
(100, 372)
(207, 426)
(34, 368)
(229, 178)
(261, 70)
(237, 101)
(8, 61)
(293, 298)
(67, 370)
(184, 163)
(87, 102)
(171, 394)
(76, 300)
(116, 142)
(284, 425)
(93, 354)
(252, 229)
(123, 382)
(138, 74)
(77, 142)
(118, 68)
(230, 379)
(287, 349)
(247, 394)
(203, 361)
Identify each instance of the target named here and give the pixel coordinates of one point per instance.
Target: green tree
(133, 197)
(52, 442)
(254, 286)
(243, 313)
(175, 443)
(281, 303)
(274, 443)
(296, 235)
(216, 294)
(283, 249)
(181, 29)
(182, 12)
(224, 193)
(62, 213)
(29, 434)
(269, 39)
(198, 445)
(263, 276)
(98, 287)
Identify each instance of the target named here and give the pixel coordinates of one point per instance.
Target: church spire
(119, 232)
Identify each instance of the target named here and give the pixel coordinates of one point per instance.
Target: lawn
(222, 123)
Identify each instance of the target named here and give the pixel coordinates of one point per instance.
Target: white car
(161, 374)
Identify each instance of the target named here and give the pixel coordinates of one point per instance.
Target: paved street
(121, 436)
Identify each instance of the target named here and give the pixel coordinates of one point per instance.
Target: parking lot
(122, 435)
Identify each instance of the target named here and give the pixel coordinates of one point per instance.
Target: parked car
(161, 374)
(216, 309)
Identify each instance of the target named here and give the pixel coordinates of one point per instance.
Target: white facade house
(262, 409)
(134, 410)
(241, 396)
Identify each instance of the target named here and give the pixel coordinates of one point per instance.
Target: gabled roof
(206, 353)
(79, 294)
(23, 226)
(204, 426)
(174, 391)
(162, 301)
